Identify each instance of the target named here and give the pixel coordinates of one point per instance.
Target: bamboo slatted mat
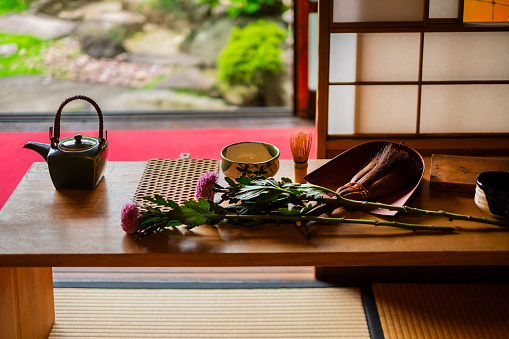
(432, 311)
(210, 313)
(173, 179)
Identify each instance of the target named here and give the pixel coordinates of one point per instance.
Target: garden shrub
(253, 52)
(27, 59)
(190, 10)
(249, 7)
(7, 6)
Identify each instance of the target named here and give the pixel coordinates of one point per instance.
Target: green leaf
(253, 189)
(248, 192)
(230, 182)
(173, 223)
(193, 213)
(244, 180)
(268, 196)
(306, 191)
(157, 199)
(151, 209)
(204, 204)
(149, 219)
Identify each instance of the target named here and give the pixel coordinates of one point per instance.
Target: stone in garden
(164, 99)
(278, 89)
(130, 22)
(189, 79)
(101, 46)
(100, 39)
(183, 14)
(168, 60)
(7, 50)
(243, 96)
(103, 37)
(90, 11)
(40, 26)
(154, 40)
(210, 39)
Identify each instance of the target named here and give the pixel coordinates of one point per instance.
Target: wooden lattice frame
(329, 146)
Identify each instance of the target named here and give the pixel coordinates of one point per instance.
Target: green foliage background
(252, 53)
(27, 60)
(238, 7)
(7, 6)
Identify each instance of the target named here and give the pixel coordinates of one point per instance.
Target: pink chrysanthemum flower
(129, 217)
(205, 186)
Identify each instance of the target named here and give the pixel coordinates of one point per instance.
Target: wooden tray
(459, 173)
(339, 170)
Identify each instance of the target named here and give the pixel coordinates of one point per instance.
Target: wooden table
(41, 227)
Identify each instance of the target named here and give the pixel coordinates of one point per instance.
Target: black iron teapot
(78, 162)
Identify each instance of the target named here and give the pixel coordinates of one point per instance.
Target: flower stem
(413, 227)
(413, 211)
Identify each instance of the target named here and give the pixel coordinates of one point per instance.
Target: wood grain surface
(26, 299)
(459, 173)
(41, 226)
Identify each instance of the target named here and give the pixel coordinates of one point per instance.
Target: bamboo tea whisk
(300, 144)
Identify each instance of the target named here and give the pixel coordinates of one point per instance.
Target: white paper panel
(313, 52)
(372, 109)
(466, 56)
(374, 57)
(443, 9)
(341, 110)
(377, 10)
(465, 109)
(343, 57)
(387, 109)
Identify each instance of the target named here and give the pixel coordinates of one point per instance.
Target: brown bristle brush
(300, 144)
(391, 170)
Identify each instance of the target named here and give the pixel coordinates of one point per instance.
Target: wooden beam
(468, 145)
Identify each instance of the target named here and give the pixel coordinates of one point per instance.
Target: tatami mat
(443, 310)
(209, 313)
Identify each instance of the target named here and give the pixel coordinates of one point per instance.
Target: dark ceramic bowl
(492, 193)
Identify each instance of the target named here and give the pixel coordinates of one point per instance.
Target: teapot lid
(78, 143)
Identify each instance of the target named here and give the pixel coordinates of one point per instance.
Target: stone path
(36, 94)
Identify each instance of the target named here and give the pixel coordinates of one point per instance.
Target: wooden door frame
(304, 99)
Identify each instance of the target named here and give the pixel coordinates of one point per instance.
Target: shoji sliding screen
(413, 71)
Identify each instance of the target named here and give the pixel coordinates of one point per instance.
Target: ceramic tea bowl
(492, 193)
(249, 159)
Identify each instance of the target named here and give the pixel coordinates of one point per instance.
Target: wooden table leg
(27, 305)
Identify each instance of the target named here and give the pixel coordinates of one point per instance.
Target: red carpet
(137, 146)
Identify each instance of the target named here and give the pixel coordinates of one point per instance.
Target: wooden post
(301, 58)
(27, 307)
(322, 100)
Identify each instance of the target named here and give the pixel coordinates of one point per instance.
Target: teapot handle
(56, 130)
